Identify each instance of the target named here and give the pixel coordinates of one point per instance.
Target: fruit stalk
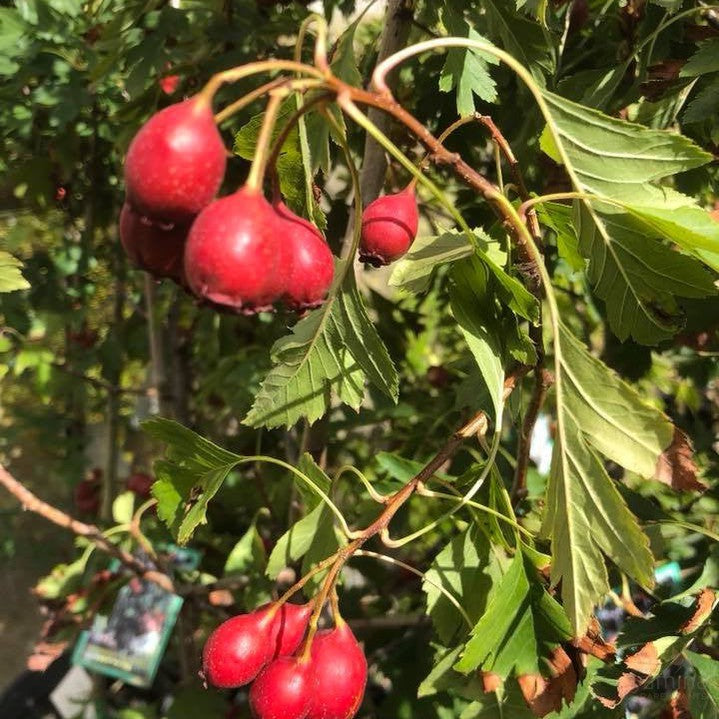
(257, 172)
(254, 68)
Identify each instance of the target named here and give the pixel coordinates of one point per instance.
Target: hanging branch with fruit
(640, 246)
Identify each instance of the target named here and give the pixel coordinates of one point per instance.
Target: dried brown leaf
(678, 706)
(491, 682)
(676, 466)
(544, 695)
(593, 643)
(645, 661)
(704, 606)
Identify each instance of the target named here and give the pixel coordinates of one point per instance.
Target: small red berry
(311, 263)
(282, 690)
(238, 649)
(169, 83)
(234, 255)
(339, 674)
(156, 248)
(176, 162)
(389, 226)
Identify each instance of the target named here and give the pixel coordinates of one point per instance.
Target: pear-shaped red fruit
(389, 226)
(238, 649)
(339, 674)
(311, 264)
(282, 690)
(152, 246)
(176, 162)
(234, 255)
(289, 626)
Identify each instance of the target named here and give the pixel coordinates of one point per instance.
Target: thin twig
(543, 380)
(33, 503)
(503, 145)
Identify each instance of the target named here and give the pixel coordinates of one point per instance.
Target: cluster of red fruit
(238, 251)
(326, 682)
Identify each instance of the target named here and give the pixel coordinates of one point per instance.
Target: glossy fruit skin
(176, 162)
(234, 255)
(339, 674)
(282, 690)
(389, 226)
(238, 649)
(311, 261)
(156, 248)
(289, 627)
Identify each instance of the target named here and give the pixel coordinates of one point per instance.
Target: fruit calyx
(234, 256)
(389, 226)
(311, 263)
(175, 163)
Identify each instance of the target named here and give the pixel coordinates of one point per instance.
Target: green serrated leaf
(522, 624)
(467, 568)
(331, 352)
(465, 70)
(526, 40)
(344, 63)
(473, 309)
(616, 158)
(191, 474)
(689, 226)
(311, 469)
(636, 275)
(248, 552)
(586, 515)
(703, 61)
(414, 271)
(703, 688)
(11, 278)
(560, 219)
(704, 104)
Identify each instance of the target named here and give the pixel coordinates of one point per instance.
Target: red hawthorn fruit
(238, 649)
(140, 483)
(153, 247)
(234, 255)
(86, 495)
(289, 627)
(282, 690)
(389, 226)
(339, 674)
(176, 162)
(311, 263)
